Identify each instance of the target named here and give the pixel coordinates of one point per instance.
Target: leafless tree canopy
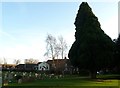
(31, 61)
(17, 61)
(1, 61)
(51, 46)
(55, 48)
(62, 45)
(5, 61)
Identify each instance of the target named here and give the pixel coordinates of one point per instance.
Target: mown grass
(69, 82)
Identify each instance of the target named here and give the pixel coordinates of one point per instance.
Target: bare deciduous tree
(17, 61)
(57, 50)
(62, 46)
(51, 46)
(54, 48)
(1, 61)
(5, 61)
(31, 61)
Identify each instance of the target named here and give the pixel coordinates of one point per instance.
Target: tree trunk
(93, 74)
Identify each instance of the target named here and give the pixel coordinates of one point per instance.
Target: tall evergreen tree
(117, 54)
(92, 49)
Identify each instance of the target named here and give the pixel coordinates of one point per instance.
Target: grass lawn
(69, 82)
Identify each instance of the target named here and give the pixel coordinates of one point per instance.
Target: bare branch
(17, 61)
(31, 61)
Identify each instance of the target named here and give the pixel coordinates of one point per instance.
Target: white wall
(43, 66)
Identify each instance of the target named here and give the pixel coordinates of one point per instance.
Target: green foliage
(92, 49)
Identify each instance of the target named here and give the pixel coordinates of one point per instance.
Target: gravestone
(10, 77)
(24, 74)
(5, 79)
(30, 74)
(19, 81)
(36, 75)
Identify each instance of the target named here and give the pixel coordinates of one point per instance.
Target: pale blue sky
(26, 25)
(29, 20)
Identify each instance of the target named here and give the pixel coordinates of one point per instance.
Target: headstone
(39, 76)
(19, 81)
(24, 73)
(5, 80)
(5, 76)
(15, 75)
(56, 77)
(10, 77)
(5, 83)
(30, 74)
(36, 75)
(60, 76)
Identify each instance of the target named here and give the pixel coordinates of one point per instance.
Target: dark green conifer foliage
(92, 49)
(117, 54)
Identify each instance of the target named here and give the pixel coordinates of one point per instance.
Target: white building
(43, 66)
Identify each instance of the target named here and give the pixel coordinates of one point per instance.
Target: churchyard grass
(69, 82)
